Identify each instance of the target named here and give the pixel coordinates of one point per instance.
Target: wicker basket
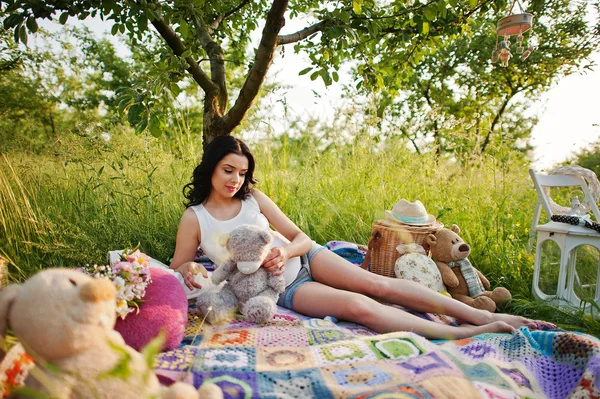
(387, 236)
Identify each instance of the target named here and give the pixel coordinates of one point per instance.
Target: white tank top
(211, 229)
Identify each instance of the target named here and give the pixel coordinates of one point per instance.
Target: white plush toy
(413, 264)
(64, 319)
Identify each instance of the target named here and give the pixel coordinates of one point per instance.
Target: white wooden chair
(567, 237)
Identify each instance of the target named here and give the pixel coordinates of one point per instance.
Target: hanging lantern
(512, 25)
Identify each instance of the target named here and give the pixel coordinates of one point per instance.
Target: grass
(70, 205)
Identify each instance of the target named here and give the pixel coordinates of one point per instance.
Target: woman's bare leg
(333, 270)
(319, 300)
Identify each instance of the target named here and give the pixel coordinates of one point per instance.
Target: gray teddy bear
(249, 288)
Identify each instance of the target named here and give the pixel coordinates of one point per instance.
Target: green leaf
(124, 103)
(152, 15)
(12, 7)
(444, 11)
(32, 25)
(315, 75)
(63, 18)
(23, 34)
(121, 369)
(379, 81)
(122, 90)
(114, 29)
(430, 13)
(153, 348)
(134, 115)
(472, 3)
(335, 76)
(157, 123)
(425, 28)
(142, 23)
(184, 29)
(175, 89)
(139, 128)
(327, 79)
(357, 6)
(12, 21)
(305, 71)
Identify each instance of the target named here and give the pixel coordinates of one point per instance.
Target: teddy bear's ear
(431, 240)
(455, 229)
(224, 239)
(266, 236)
(7, 297)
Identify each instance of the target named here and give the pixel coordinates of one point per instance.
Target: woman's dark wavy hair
(198, 190)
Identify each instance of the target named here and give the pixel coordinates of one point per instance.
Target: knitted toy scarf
(470, 274)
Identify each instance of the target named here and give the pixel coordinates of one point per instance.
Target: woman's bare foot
(485, 317)
(515, 321)
(468, 330)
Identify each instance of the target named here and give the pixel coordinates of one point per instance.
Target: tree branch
(302, 34)
(178, 48)
(262, 62)
(436, 130)
(412, 139)
(217, 21)
(217, 62)
(496, 120)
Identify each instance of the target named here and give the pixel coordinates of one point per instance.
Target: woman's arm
(299, 244)
(188, 239)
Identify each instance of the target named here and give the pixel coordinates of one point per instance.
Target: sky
(567, 113)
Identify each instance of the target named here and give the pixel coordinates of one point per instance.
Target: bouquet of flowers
(130, 275)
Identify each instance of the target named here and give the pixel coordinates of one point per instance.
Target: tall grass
(70, 206)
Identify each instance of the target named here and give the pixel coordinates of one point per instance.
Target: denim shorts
(286, 299)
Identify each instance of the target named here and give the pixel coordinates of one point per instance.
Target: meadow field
(69, 204)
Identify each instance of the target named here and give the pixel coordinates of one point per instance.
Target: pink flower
(138, 257)
(130, 276)
(118, 267)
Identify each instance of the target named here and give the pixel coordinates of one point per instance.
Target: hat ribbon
(410, 219)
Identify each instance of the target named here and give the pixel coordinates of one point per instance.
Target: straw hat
(410, 213)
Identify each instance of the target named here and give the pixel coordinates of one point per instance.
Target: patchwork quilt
(294, 356)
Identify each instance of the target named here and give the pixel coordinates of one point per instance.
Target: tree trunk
(217, 122)
(211, 122)
(51, 117)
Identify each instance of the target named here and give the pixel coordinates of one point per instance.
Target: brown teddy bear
(64, 319)
(464, 282)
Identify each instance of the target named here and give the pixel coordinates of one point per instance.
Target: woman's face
(229, 175)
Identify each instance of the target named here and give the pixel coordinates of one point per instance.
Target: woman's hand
(275, 260)
(189, 270)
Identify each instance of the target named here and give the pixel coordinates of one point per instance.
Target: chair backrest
(542, 180)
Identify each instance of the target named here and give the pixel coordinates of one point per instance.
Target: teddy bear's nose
(97, 290)
(464, 248)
